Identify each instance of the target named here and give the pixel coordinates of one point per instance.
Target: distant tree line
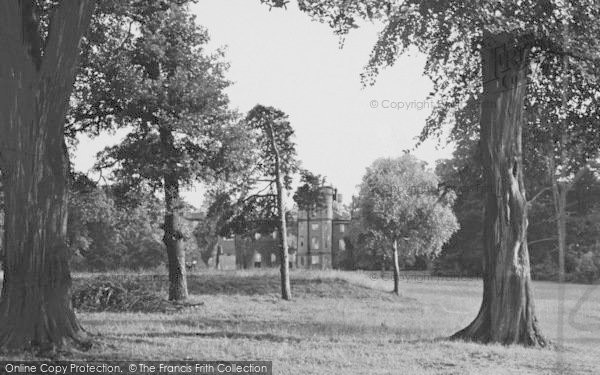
(462, 254)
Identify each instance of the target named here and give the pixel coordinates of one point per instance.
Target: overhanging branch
(539, 193)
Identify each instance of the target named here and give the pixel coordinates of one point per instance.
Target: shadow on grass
(285, 330)
(220, 335)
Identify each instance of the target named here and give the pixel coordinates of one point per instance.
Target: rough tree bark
(507, 313)
(37, 79)
(173, 236)
(286, 291)
(396, 269)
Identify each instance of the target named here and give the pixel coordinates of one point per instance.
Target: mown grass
(347, 323)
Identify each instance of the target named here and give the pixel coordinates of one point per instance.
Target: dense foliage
(399, 202)
(248, 203)
(462, 254)
(105, 235)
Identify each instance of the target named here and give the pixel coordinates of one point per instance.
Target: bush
(545, 270)
(106, 294)
(588, 268)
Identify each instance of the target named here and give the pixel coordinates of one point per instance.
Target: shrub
(106, 294)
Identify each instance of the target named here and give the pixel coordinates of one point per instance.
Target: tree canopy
(249, 205)
(399, 201)
(309, 195)
(451, 35)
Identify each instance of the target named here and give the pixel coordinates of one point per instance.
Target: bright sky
(283, 59)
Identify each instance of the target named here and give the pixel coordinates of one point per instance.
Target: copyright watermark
(401, 105)
(139, 367)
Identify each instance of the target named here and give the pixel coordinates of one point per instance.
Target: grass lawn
(349, 323)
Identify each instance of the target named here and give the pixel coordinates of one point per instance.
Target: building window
(314, 259)
(301, 241)
(314, 243)
(314, 226)
(342, 244)
(273, 258)
(342, 228)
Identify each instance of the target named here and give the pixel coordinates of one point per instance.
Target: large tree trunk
(286, 290)
(173, 236)
(396, 269)
(35, 307)
(507, 312)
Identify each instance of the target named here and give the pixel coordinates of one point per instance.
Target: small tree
(399, 202)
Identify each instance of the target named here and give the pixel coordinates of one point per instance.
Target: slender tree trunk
(559, 192)
(35, 307)
(559, 195)
(173, 236)
(308, 238)
(507, 313)
(218, 259)
(286, 291)
(562, 187)
(396, 269)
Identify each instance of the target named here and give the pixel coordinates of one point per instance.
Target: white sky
(283, 59)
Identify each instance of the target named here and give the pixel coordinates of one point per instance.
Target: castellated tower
(315, 234)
